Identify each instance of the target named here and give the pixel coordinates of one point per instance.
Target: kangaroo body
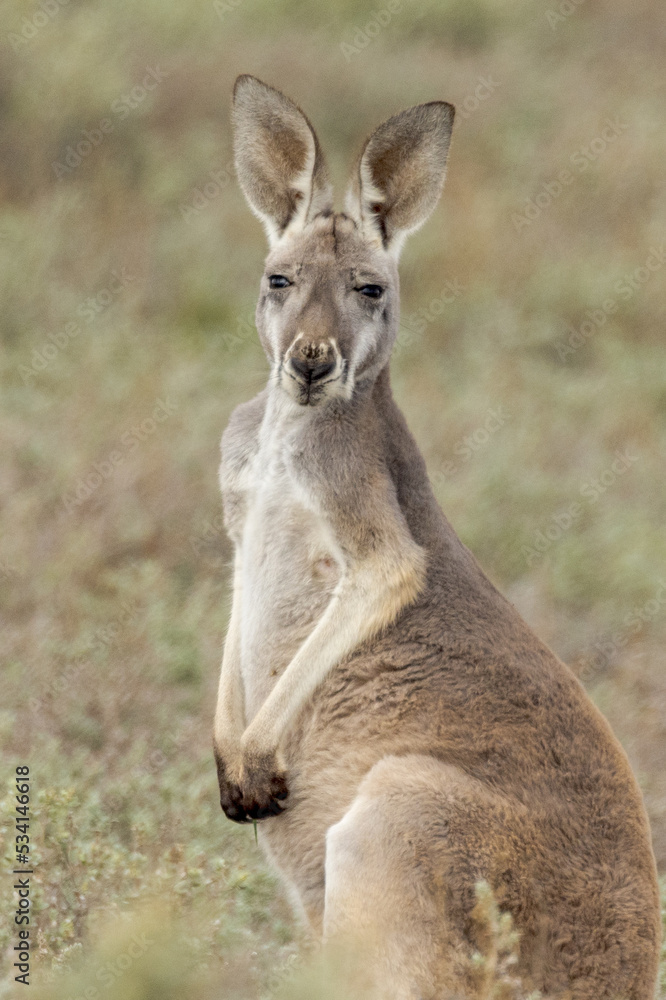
(388, 716)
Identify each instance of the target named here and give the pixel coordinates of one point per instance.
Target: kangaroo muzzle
(311, 366)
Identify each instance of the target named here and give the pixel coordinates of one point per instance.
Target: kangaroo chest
(289, 568)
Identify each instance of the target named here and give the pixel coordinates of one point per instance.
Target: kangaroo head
(328, 306)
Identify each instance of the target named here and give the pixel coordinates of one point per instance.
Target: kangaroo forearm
(230, 715)
(230, 710)
(364, 603)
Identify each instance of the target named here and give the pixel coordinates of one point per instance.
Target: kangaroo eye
(371, 291)
(278, 281)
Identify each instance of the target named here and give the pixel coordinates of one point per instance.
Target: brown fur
(449, 745)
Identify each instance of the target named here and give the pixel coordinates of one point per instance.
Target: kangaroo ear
(278, 160)
(400, 173)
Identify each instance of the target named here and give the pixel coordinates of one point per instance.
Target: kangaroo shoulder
(240, 440)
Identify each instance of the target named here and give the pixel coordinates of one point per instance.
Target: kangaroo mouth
(311, 379)
(309, 394)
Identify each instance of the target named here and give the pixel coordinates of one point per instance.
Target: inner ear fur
(278, 159)
(400, 173)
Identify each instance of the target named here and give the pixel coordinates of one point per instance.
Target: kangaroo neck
(283, 413)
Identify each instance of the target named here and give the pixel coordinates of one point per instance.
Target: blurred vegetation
(128, 271)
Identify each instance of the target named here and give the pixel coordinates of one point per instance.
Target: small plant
(495, 964)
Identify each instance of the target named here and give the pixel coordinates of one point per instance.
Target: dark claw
(261, 795)
(232, 805)
(261, 812)
(264, 796)
(235, 813)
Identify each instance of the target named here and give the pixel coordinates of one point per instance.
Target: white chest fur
(290, 561)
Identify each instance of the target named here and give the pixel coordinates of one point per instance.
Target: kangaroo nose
(312, 371)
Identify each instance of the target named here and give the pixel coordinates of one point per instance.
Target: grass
(128, 287)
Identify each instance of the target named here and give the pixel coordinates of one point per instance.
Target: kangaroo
(384, 712)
